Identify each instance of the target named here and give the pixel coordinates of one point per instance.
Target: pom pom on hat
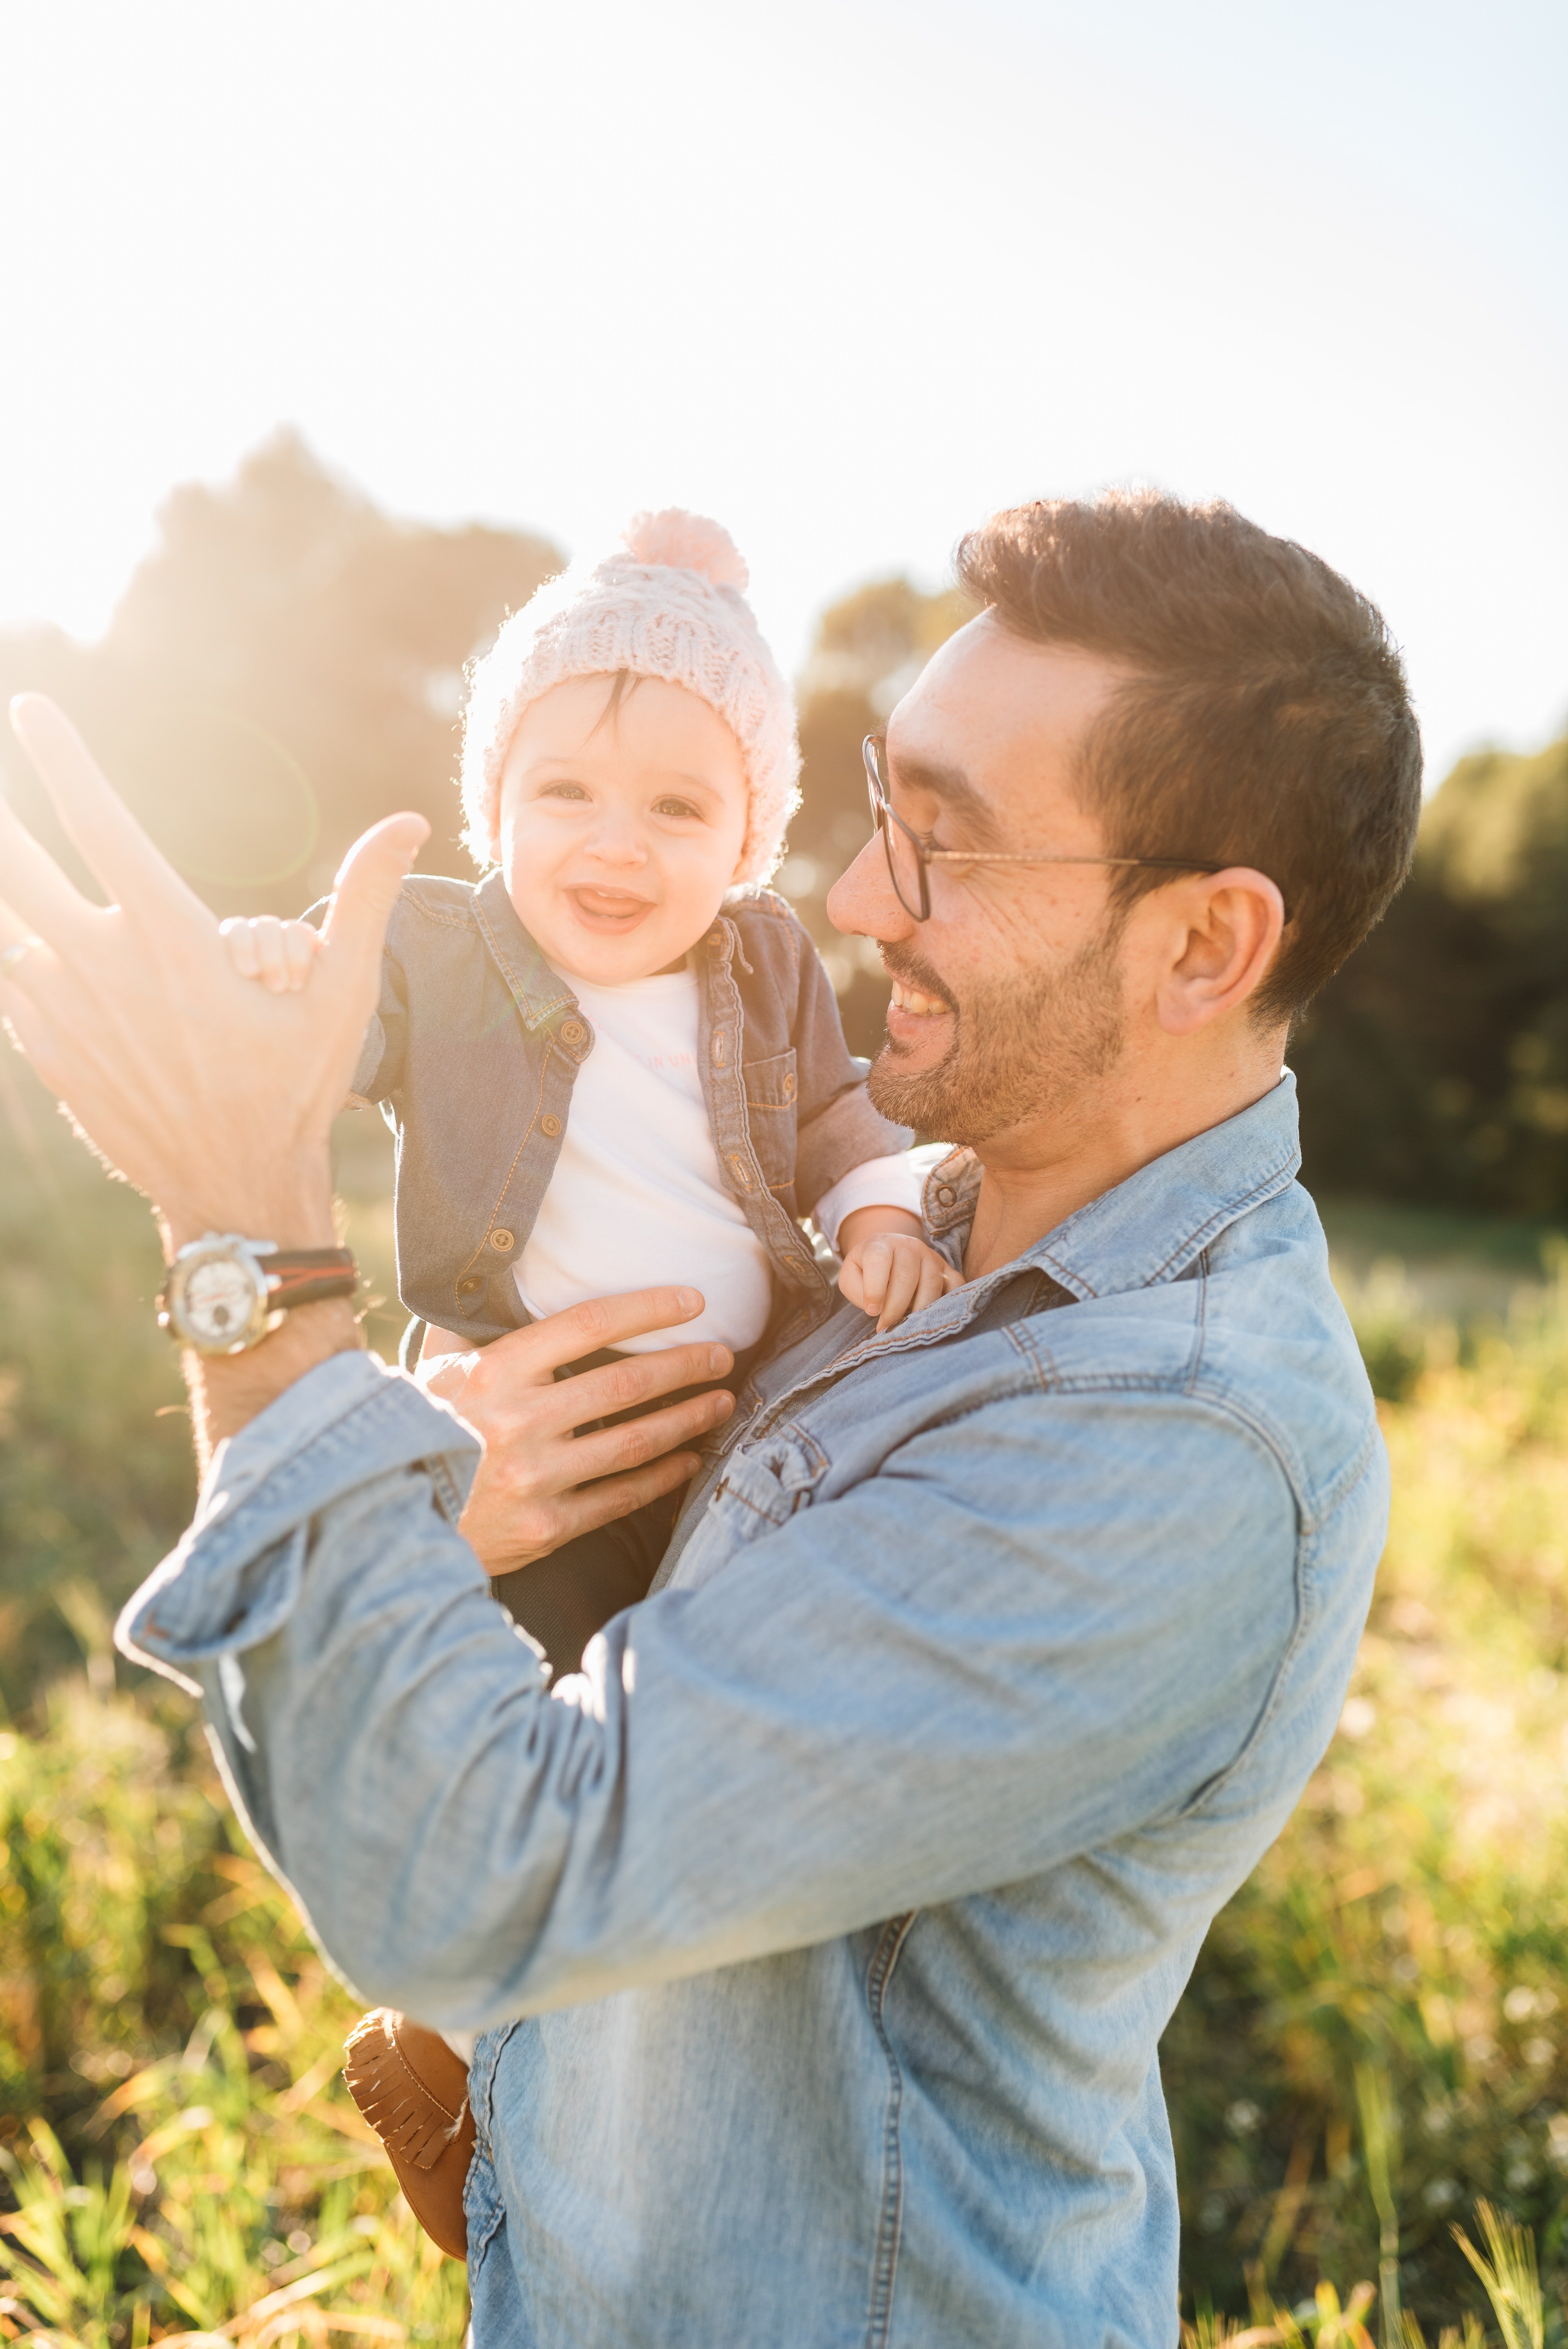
(668, 602)
(687, 541)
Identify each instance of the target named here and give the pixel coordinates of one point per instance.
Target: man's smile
(918, 1006)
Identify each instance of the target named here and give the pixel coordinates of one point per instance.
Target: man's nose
(861, 901)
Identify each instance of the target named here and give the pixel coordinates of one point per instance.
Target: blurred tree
(283, 670)
(1434, 1068)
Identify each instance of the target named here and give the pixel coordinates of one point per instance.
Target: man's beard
(1021, 1049)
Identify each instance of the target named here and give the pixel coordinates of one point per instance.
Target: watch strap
(308, 1276)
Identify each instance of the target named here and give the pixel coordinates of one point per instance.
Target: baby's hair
(622, 684)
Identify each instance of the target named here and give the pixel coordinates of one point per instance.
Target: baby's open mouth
(610, 910)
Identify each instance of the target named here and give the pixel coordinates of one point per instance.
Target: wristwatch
(222, 1294)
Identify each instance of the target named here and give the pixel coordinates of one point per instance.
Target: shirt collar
(540, 993)
(1150, 1228)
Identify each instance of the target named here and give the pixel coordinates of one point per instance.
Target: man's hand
(531, 1491)
(210, 1094)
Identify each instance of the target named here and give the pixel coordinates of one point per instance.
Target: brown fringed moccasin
(414, 2091)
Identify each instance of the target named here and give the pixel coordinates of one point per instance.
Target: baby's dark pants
(562, 1598)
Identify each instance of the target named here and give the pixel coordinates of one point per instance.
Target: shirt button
(503, 1240)
(790, 1086)
(550, 1124)
(945, 1196)
(572, 1031)
(466, 1288)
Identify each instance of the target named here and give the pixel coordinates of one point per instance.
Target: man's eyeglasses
(909, 861)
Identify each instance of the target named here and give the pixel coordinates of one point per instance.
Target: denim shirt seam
(300, 1467)
(1306, 1536)
(1224, 1214)
(890, 2218)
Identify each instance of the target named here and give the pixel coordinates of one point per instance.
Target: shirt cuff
(235, 1576)
(891, 1182)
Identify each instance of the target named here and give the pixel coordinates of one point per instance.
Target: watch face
(218, 1301)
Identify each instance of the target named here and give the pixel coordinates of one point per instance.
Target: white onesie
(637, 1200)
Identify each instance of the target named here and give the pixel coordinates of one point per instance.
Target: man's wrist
(292, 1206)
(228, 1390)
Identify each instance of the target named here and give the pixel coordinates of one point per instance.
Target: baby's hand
(888, 1268)
(281, 955)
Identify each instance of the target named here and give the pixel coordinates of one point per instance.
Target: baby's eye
(563, 790)
(677, 807)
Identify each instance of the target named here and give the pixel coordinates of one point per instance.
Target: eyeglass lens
(905, 863)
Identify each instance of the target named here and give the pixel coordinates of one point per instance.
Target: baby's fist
(280, 956)
(895, 1274)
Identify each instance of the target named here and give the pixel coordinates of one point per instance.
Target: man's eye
(678, 808)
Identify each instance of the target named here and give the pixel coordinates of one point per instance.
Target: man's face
(1007, 1004)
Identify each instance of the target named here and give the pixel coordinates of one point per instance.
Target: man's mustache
(902, 962)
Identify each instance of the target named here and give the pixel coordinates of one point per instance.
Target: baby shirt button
(945, 1196)
(550, 1124)
(790, 1086)
(502, 1239)
(572, 1031)
(466, 1288)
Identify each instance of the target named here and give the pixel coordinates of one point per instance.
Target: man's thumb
(368, 884)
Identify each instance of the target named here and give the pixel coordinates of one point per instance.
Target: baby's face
(619, 839)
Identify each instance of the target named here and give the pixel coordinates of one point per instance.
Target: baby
(617, 1061)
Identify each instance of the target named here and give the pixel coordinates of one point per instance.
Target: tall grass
(1373, 2052)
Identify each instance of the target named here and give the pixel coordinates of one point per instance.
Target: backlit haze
(845, 275)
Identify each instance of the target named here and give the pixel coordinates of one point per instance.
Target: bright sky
(845, 273)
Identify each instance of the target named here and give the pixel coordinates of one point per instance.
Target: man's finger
(25, 959)
(366, 888)
(632, 1384)
(35, 885)
(609, 1451)
(601, 1321)
(599, 1504)
(101, 827)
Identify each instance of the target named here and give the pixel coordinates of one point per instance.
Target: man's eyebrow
(953, 788)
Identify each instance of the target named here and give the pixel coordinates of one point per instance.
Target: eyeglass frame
(883, 808)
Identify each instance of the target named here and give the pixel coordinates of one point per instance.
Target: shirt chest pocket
(765, 1483)
(771, 1086)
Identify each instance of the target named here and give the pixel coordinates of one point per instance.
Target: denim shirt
(822, 1931)
(473, 1050)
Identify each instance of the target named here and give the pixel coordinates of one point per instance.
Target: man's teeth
(909, 998)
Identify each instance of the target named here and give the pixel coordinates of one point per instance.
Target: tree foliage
(1434, 1068)
(286, 668)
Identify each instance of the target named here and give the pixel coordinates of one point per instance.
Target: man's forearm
(778, 1757)
(293, 1208)
(228, 1390)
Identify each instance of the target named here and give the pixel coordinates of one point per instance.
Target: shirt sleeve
(890, 1182)
(1029, 1632)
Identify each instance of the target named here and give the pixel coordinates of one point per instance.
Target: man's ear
(1225, 935)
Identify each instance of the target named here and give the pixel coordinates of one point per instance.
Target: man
(821, 1933)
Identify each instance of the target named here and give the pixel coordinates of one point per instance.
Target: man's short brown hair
(1266, 722)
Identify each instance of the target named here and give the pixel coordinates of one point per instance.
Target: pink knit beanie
(667, 603)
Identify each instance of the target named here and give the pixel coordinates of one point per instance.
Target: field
(1375, 2040)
